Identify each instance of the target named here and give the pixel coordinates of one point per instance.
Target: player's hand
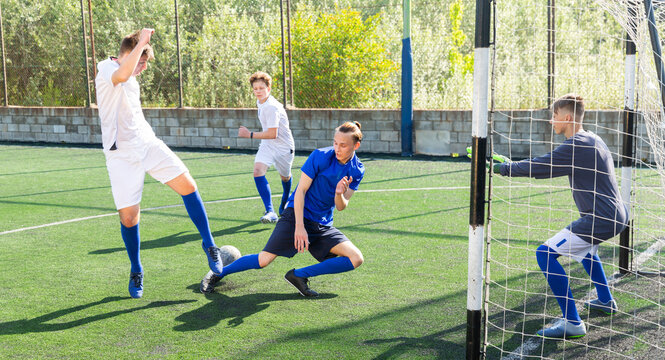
(301, 240)
(498, 160)
(243, 132)
(144, 36)
(343, 185)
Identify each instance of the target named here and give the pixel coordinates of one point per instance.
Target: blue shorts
(321, 238)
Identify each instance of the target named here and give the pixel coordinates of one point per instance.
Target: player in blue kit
(587, 162)
(329, 178)
(132, 149)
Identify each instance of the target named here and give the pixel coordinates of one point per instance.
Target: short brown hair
(129, 42)
(571, 102)
(260, 75)
(353, 128)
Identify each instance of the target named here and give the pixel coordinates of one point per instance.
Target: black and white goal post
(475, 284)
(628, 136)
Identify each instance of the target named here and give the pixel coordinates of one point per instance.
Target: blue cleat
(608, 308)
(563, 329)
(136, 284)
(214, 259)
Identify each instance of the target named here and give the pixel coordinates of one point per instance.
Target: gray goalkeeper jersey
(587, 162)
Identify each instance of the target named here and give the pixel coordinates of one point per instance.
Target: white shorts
(280, 158)
(127, 167)
(568, 244)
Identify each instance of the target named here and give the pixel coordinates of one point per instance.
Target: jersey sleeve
(357, 178)
(310, 167)
(271, 117)
(557, 163)
(106, 72)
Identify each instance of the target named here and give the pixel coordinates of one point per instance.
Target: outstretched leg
(186, 187)
(247, 262)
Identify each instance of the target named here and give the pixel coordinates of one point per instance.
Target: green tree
(339, 59)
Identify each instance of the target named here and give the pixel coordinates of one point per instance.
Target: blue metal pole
(407, 83)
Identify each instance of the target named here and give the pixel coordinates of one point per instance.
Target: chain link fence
(343, 53)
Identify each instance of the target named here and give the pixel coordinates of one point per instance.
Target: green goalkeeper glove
(498, 160)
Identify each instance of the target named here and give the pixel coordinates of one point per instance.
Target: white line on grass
(211, 202)
(534, 342)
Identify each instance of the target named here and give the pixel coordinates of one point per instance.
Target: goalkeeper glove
(498, 160)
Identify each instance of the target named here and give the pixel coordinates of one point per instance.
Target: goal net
(587, 56)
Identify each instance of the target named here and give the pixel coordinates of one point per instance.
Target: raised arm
(130, 61)
(343, 193)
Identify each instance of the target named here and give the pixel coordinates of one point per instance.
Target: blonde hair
(571, 102)
(352, 128)
(260, 76)
(129, 42)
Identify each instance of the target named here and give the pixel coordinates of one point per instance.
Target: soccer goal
(528, 53)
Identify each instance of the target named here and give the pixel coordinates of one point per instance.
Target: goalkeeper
(587, 162)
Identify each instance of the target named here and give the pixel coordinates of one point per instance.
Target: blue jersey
(587, 162)
(325, 171)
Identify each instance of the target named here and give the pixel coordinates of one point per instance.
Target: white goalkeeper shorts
(281, 159)
(568, 244)
(127, 167)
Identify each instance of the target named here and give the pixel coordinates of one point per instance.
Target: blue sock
(558, 281)
(264, 190)
(329, 266)
(197, 213)
(246, 262)
(286, 187)
(133, 245)
(594, 268)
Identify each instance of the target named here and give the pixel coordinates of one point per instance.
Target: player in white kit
(277, 146)
(132, 149)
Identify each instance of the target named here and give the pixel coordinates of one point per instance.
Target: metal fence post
(177, 41)
(4, 63)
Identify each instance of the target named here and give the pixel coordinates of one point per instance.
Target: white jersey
(273, 115)
(122, 119)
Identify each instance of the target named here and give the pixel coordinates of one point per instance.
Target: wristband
(251, 135)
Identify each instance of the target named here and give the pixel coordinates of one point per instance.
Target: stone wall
(520, 133)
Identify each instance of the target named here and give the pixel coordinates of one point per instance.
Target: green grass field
(63, 288)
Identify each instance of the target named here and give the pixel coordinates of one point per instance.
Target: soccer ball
(229, 254)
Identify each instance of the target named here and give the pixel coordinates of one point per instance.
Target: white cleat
(269, 217)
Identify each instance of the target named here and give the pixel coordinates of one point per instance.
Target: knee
(129, 220)
(258, 172)
(356, 259)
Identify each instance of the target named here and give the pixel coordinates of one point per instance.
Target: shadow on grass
(182, 238)
(41, 323)
(235, 309)
(431, 345)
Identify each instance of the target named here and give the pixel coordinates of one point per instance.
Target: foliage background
(346, 53)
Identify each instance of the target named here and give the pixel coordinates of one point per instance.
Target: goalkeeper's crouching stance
(587, 162)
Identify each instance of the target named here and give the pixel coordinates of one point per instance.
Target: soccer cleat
(136, 284)
(563, 329)
(608, 308)
(214, 259)
(300, 283)
(209, 281)
(269, 217)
